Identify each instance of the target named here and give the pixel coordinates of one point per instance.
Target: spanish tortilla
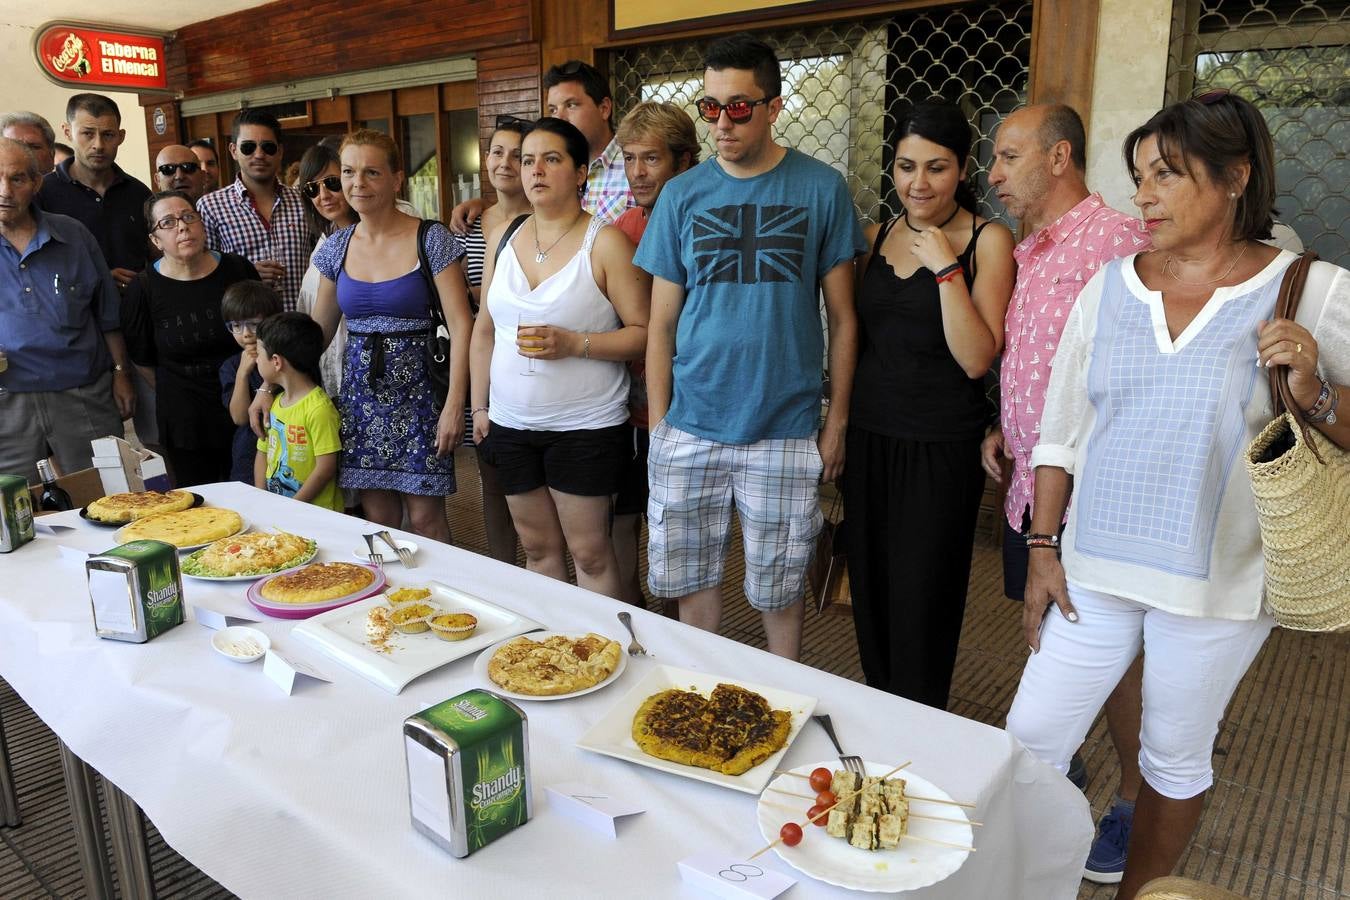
(185, 528)
(127, 507)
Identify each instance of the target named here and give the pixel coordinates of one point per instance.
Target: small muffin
(453, 626)
(408, 595)
(411, 618)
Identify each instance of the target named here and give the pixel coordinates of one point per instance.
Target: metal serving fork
(851, 763)
(404, 554)
(634, 649)
(376, 559)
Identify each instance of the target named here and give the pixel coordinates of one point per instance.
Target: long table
(306, 795)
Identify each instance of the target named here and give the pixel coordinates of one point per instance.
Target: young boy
(298, 458)
(244, 305)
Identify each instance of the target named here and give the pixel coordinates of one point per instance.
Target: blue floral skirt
(388, 412)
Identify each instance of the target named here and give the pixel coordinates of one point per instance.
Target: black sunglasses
(269, 148)
(504, 121)
(189, 168)
(738, 111)
(332, 182)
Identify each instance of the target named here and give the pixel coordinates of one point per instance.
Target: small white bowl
(363, 554)
(238, 643)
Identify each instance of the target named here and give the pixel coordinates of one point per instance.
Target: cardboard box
(84, 487)
(123, 468)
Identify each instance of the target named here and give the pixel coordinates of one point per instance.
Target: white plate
(243, 526)
(303, 562)
(341, 633)
(480, 668)
(912, 865)
(237, 634)
(363, 553)
(613, 734)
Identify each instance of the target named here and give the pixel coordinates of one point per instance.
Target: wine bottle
(54, 497)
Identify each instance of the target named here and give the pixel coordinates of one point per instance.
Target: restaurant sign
(87, 56)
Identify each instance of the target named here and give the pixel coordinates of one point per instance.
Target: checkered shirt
(607, 195)
(234, 226)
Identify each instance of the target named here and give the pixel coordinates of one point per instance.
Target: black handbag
(437, 347)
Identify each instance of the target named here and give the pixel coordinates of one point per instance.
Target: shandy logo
(164, 595)
(501, 789)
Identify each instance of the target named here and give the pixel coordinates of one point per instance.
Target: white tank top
(563, 394)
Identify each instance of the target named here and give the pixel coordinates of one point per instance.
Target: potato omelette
(730, 732)
(185, 528)
(317, 582)
(136, 504)
(559, 664)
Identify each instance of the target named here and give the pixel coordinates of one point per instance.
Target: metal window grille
(846, 85)
(1292, 59)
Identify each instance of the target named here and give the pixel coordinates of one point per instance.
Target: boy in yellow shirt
(299, 456)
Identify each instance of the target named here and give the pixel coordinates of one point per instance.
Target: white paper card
(732, 878)
(428, 790)
(287, 672)
(591, 806)
(214, 618)
(73, 556)
(42, 527)
(112, 602)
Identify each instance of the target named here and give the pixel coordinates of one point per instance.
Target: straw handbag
(1301, 482)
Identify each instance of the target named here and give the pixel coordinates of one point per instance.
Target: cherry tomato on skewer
(819, 809)
(826, 798)
(791, 834)
(821, 779)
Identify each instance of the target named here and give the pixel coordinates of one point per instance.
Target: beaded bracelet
(477, 409)
(1328, 415)
(1043, 540)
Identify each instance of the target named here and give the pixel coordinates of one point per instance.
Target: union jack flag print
(748, 244)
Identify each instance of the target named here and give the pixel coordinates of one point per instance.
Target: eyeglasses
(504, 121)
(249, 326)
(269, 148)
(187, 218)
(332, 182)
(188, 168)
(1209, 98)
(738, 111)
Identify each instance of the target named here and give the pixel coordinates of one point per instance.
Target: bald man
(178, 169)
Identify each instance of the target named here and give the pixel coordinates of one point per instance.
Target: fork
(851, 763)
(404, 554)
(376, 559)
(634, 649)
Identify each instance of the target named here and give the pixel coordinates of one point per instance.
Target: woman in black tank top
(931, 298)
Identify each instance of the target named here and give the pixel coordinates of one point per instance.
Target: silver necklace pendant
(540, 256)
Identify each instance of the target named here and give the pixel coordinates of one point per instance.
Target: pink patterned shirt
(1052, 266)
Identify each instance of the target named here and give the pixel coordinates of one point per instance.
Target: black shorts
(585, 462)
(633, 484)
(1015, 557)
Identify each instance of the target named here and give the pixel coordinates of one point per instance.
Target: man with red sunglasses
(257, 216)
(740, 247)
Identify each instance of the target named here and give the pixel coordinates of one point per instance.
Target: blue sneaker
(1106, 860)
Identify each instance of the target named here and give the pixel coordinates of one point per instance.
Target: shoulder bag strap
(506, 235)
(433, 293)
(1286, 307)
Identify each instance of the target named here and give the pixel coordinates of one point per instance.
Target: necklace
(1169, 266)
(905, 216)
(541, 255)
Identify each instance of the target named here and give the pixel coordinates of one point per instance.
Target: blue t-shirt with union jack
(750, 254)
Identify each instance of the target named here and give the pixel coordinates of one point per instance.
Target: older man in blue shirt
(66, 381)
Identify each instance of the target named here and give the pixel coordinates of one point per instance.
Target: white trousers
(1192, 666)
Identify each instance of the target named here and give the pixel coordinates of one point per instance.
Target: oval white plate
(240, 634)
(913, 864)
(306, 560)
(480, 668)
(363, 555)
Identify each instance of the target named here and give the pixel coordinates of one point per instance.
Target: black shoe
(1078, 772)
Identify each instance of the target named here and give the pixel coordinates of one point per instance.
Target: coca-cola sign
(87, 56)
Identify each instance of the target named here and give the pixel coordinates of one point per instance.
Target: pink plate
(305, 610)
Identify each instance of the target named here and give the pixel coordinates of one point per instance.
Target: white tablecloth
(306, 795)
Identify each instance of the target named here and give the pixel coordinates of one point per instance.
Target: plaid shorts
(694, 482)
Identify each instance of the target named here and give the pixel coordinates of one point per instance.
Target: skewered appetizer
(874, 813)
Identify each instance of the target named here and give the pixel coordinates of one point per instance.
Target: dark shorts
(633, 483)
(586, 462)
(1015, 558)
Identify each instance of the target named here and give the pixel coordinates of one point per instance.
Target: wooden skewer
(920, 838)
(945, 819)
(790, 793)
(811, 820)
(907, 796)
(926, 840)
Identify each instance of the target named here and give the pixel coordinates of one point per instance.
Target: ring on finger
(1298, 348)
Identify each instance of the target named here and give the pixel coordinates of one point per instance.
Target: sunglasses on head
(332, 182)
(738, 111)
(187, 168)
(503, 121)
(269, 148)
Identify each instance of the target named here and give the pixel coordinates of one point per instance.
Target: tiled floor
(1277, 824)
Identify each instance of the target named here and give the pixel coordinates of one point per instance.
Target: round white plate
(304, 561)
(362, 554)
(243, 526)
(480, 667)
(912, 865)
(238, 637)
